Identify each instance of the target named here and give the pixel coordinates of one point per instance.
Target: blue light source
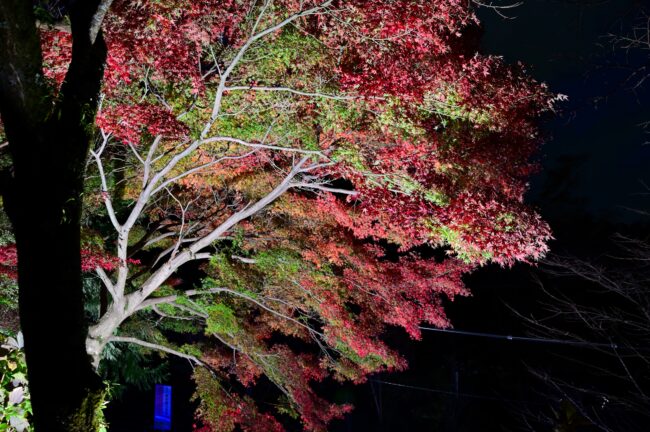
(162, 418)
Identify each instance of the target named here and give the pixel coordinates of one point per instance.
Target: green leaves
(225, 274)
(15, 403)
(126, 364)
(221, 320)
(279, 264)
(351, 156)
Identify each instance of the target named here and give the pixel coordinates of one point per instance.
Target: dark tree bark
(49, 136)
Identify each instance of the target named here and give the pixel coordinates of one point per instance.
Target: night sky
(595, 150)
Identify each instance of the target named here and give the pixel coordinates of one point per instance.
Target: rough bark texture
(48, 139)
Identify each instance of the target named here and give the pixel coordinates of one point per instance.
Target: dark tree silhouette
(48, 137)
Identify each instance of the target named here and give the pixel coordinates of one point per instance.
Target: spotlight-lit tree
(285, 146)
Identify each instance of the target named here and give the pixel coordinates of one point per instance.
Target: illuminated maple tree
(309, 156)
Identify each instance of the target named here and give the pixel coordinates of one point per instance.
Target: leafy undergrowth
(15, 403)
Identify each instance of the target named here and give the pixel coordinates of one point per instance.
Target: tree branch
(244, 259)
(198, 169)
(105, 195)
(107, 282)
(164, 315)
(293, 91)
(192, 252)
(325, 188)
(172, 298)
(98, 18)
(156, 347)
(216, 108)
(260, 145)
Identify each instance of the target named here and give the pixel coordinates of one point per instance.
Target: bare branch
(293, 91)
(147, 162)
(260, 16)
(156, 347)
(98, 18)
(107, 282)
(162, 254)
(135, 152)
(498, 8)
(320, 187)
(274, 312)
(187, 318)
(170, 299)
(182, 227)
(159, 238)
(244, 259)
(100, 168)
(261, 146)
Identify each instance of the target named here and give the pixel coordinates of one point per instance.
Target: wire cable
(456, 394)
(526, 338)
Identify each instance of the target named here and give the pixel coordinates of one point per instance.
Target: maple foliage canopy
(310, 155)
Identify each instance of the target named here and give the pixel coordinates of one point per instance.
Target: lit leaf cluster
(417, 143)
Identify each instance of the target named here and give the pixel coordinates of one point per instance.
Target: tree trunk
(44, 205)
(65, 389)
(49, 133)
